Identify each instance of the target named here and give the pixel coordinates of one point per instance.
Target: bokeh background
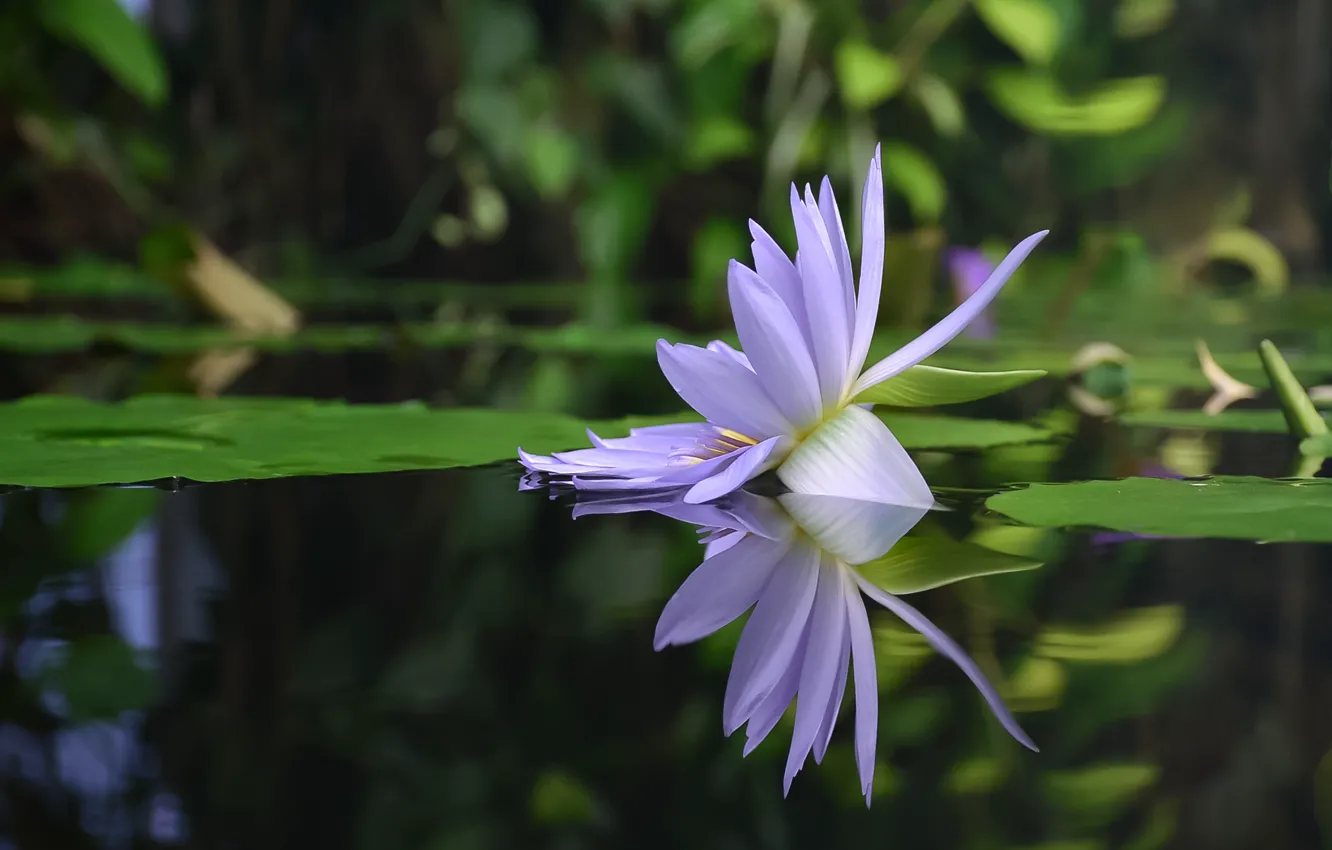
(505, 203)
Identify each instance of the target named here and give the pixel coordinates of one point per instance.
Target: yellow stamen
(736, 437)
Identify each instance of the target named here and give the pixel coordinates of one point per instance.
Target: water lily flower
(970, 268)
(791, 400)
(792, 563)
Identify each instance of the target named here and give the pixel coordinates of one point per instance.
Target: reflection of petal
(749, 463)
(720, 589)
(853, 529)
(857, 457)
(945, 646)
(866, 682)
(818, 673)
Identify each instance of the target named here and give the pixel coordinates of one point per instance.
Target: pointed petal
(725, 348)
(725, 392)
(856, 456)
(771, 636)
(946, 647)
(866, 683)
(952, 324)
(839, 690)
(854, 530)
(779, 273)
(832, 222)
(776, 348)
(871, 266)
(818, 672)
(749, 463)
(824, 302)
(720, 589)
(769, 712)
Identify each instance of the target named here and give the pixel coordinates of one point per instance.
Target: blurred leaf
(500, 37)
(1113, 161)
(551, 156)
(488, 211)
(559, 798)
(495, 114)
(1012, 539)
(941, 103)
(1227, 507)
(710, 27)
(924, 563)
(1129, 637)
(117, 41)
(1159, 830)
(865, 77)
(1249, 248)
(924, 431)
(96, 521)
(1033, 99)
(613, 222)
(1037, 685)
(975, 776)
(1302, 418)
(927, 386)
(427, 674)
(719, 240)
(716, 139)
(1030, 27)
(1096, 795)
(1138, 18)
(100, 678)
(916, 177)
(1322, 793)
(639, 88)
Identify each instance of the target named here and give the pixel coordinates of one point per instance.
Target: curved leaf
(1034, 99)
(926, 386)
(865, 76)
(117, 41)
(924, 563)
(1249, 248)
(1030, 27)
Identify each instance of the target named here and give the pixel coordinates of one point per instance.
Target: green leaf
(96, 521)
(941, 103)
(930, 561)
(117, 41)
(1249, 248)
(920, 431)
(1236, 421)
(1302, 418)
(1130, 637)
(865, 77)
(717, 139)
(1030, 27)
(1098, 794)
(551, 156)
(1034, 99)
(716, 242)
(914, 175)
(1138, 18)
(100, 678)
(1233, 508)
(927, 386)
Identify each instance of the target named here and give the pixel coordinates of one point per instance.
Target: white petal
(854, 530)
(855, 456)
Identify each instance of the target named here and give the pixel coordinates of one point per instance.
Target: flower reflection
(792, 563)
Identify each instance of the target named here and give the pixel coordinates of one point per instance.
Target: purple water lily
(792, 564)
(970, 268)
(789, 401)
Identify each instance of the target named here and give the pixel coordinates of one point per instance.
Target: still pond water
(440, 660)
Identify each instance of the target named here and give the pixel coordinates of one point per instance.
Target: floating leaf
(1252, 249)
(927, 386)
(1030, 27)
(914, 175)
(117, 41)
(1034, 99)
(866, 77)
(927, 562)
(1131, 636)
(1234, 508)
(918, 431)
(1238, 421)
(1302, 418)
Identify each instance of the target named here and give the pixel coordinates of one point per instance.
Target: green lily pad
(1234, 508)
(922, 432)
(927, 386)
(929, 561)
(1239, 421)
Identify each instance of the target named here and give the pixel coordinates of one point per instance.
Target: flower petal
(854, 530)
(952, 324)
(866, 681)
(771, 636)
(721, 389)
(720, 589)
(775, 704)
(818, 671)
(725, 348)
(946, 647)
(841, 251)
(871, 266)
(856, 456)
(749, 462)
(779, 273)
(839, 690)
(825, 307)
(775, 346)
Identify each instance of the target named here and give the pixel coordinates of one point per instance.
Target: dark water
(440, 661)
